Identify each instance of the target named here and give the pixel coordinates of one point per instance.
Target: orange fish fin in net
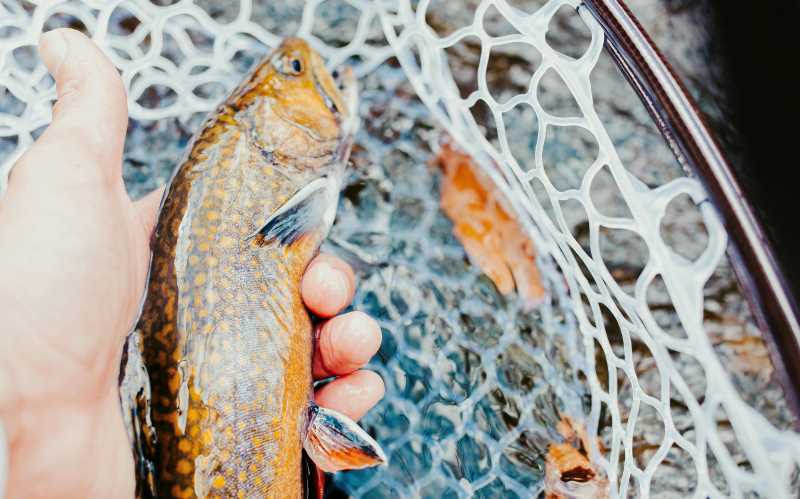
(494, 240)
(335, 442)
(569, 473)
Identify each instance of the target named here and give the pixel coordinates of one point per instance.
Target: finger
(345, 343)
(328, 285)
(90, 115)
(147, 209)
(352, 395)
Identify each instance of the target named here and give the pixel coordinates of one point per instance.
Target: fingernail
(53, 48)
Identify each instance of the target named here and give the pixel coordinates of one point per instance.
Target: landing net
(632, 253)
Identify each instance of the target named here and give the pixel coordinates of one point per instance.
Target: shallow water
(475, 385)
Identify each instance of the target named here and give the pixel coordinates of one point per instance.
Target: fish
(224, 404)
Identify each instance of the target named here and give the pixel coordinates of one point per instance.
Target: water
(475, 385)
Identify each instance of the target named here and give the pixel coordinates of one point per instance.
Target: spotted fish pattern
(223, 335)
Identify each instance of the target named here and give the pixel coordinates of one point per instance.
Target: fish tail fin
(335, 442)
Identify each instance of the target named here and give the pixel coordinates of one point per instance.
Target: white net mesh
(627, 318)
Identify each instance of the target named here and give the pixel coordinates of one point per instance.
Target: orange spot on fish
(169, 309)
(184, 467)
(184, 445)
(177, 491)
(207, 437)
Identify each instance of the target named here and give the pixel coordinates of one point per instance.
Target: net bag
(631, 251)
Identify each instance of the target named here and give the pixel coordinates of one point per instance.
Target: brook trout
(224, 337)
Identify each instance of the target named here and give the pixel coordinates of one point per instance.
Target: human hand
(73, 262)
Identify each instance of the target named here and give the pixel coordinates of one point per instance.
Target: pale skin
(73, 261)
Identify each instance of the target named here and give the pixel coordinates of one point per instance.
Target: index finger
(328, 285)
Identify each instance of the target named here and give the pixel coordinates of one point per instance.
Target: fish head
(302, 119)
(303, 93)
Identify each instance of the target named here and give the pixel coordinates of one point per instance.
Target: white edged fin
(306, 211)
(335, 442)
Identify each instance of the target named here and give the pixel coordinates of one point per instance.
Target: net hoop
(694, 145)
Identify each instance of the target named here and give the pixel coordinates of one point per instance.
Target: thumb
(147, 210)
(90, 115)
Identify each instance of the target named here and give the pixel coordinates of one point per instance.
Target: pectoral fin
(335, 442)
(311, 208)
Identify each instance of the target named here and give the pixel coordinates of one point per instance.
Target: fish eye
(297, 66)
(288, 65)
